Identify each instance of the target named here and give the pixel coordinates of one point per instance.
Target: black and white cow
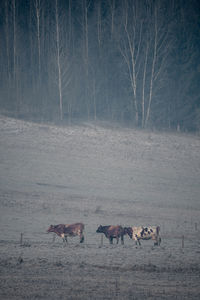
(144, 233)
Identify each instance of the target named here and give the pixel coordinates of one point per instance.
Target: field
(97, 174)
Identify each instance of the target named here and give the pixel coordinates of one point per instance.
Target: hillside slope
(98, 175)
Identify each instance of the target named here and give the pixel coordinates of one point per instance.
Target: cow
(112, 232)
(144, 233)
(65, 230)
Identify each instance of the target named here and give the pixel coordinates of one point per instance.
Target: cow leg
(154, 239)
(122, 239)
(111, 239)
(81, 238)
(117, 238)
(157, 241)
(64, 237)
(135, 238)
(136, 241)
(65, 241)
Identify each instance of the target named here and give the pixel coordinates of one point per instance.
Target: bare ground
(97, 175)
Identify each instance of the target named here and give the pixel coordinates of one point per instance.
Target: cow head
(51, 228)
(100, 229)
(129, 231)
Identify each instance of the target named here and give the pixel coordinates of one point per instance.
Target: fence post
(182, 241)
(21, 239)
(54, 237)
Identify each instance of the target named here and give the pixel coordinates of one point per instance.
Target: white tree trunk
(58, 64)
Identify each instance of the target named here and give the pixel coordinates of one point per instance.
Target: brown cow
(65, 230)
(144, 233)
(112, 232)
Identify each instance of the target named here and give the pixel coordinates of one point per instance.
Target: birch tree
(8, 42)
(14, 40)
(85, 54)
(37, 8)
(145, 45)
(60, 61)
(99, 24)
(161, 43)
(130, 47)
(112, 6)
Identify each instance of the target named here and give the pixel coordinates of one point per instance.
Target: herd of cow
(110, 231)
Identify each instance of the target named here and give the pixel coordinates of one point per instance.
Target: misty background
(132, 62)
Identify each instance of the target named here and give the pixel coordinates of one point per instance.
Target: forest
(134, 62)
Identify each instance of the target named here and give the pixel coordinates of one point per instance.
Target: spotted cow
(65, 230)
(144, 233)
(112, 232)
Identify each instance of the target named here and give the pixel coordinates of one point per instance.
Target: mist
(130, 62)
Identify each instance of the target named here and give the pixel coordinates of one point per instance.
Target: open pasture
(97, 175)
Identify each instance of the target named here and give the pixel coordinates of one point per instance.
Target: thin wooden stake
(21, 239)
(54, 237)
(182, 241)
(117, 288)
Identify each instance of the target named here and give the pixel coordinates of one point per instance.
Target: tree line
(128, 61)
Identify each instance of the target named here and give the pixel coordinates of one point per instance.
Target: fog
(99, 119)
(131, 62)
